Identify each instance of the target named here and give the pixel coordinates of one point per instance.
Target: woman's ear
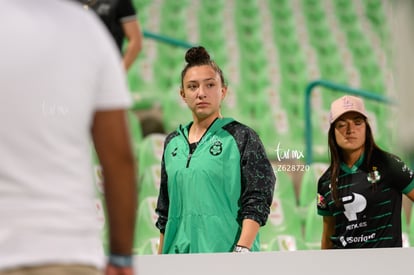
(182, 93)
(223, 92)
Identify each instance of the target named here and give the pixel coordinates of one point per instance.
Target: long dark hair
(198, 56)
(336, 156)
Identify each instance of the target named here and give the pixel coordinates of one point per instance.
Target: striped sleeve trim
(410, 187)
(128, 18)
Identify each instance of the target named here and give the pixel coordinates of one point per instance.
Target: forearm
(327, 231)
(133, 34)
(112, 143)
(120, 195)
(161, 243)
(326, 243)
(250, 228)
(130, 54)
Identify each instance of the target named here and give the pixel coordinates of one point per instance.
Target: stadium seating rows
(269, 51)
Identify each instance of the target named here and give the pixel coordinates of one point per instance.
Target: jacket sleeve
(257, 178)
(163, 202)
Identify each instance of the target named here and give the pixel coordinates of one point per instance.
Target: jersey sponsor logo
(356, 225)
(216, 148)
(357, 239)
(353, 204)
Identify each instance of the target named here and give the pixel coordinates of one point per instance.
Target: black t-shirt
(370, 214)
(113, 13)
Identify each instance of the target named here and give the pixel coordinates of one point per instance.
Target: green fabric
(204, 189)
(354, 168)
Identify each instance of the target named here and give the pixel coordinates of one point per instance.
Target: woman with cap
(216, 180)
(360, 194)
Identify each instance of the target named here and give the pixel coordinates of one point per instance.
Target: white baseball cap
(346, 104)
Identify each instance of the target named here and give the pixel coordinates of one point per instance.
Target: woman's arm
(133, 34)
(327, 231)
(410, 195)
(250, 228)
(257, 178)
(161, 243)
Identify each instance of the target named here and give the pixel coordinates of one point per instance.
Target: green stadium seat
(405, 230)
(285, 30)
(283, 230)
(345, 12)
(281, 9)
(247, 8)
(320, 128)
(313, 228)
(150, 151)
(410, 228)
(149, 182)
(148, 247)
(375, 14)
(98, 180)
(313, 11)
(275, 126)
(285, 188)
(135, 130)
(286, 242)
(174, 112)
(145, 220)
(291, 94)
(309, 186)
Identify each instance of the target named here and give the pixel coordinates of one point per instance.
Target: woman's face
(350, 129)
(202, 91)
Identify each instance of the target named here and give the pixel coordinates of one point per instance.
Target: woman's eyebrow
(358, 117)
(202, 80)
(209, 79)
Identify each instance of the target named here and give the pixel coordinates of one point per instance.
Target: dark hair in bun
(198, 56)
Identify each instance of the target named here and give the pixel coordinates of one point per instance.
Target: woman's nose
(350, 127)
(201, 93)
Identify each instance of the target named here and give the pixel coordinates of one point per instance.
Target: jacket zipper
(189, 147)
(189, 150)
(188, 160)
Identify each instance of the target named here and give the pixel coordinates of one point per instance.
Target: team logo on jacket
(216, 148)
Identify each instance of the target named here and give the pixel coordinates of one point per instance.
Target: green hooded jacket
(205, 194)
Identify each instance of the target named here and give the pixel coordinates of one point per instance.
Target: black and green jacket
(205, 193)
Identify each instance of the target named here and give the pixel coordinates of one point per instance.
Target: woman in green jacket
(216, 180)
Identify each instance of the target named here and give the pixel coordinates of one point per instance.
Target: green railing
(166, 39)
(334, 88)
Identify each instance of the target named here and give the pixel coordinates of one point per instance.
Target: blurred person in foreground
(120, 18)
(402, 43)
(402, 56)
(216, 180)
(360, 194)
(61, 85)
